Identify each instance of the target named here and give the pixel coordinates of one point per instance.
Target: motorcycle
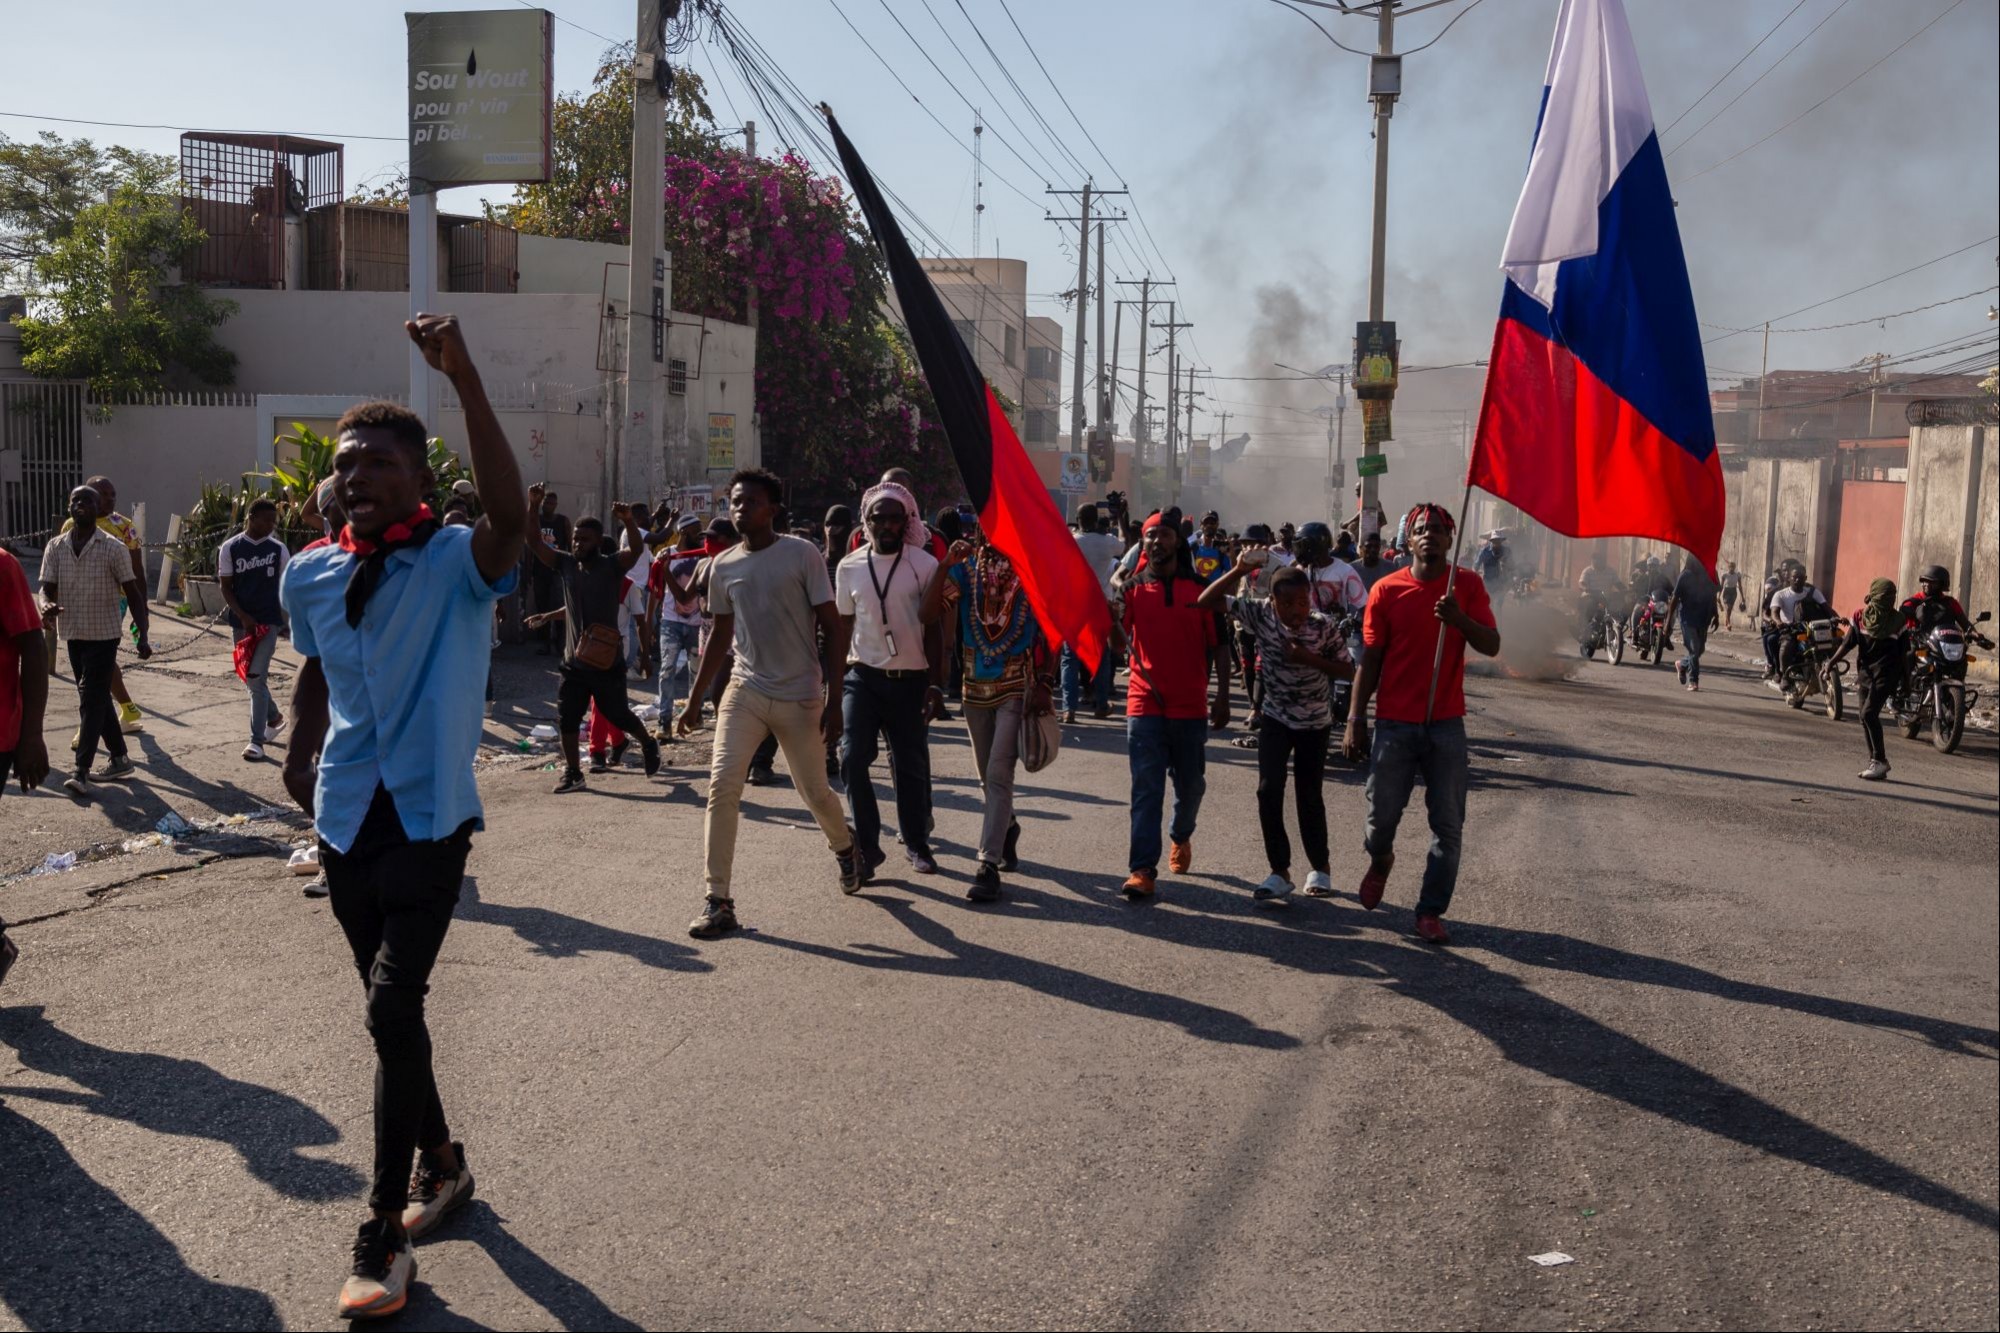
(1810, 668)
(1602, 629)
(1348, 624)
(1934, 686)
(1649, 629)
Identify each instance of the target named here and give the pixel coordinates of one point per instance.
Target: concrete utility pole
(1383, 90)
(1145, 286)
(423, 288)
(1083, 221)
(635, 443)
(1173, 328)
(1103, 397)
(1763, 378)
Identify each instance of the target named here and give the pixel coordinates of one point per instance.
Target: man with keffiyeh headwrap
(394, 622)
(1876, 637)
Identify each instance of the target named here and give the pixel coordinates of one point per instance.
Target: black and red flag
(1014, 507)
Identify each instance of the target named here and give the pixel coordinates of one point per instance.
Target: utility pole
(1763, 377)
(1173, 327)
(643, 403)
(1385, 81)
(1088, 192)
(1189, 437)
(1145, 286)
(1103, 397)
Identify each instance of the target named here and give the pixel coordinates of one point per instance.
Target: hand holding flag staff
(1595, 419)
(1014, 508)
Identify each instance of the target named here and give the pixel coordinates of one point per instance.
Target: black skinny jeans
(875, 706)
(394, 899)
(91, 662)
(1280, 746)
(1875, 691)
(580, 685)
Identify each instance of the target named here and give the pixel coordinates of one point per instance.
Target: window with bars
(677, 376)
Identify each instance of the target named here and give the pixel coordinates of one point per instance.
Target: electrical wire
(1855, 291)
(1759, 79)
(1824, 100)
(1854, 323)
(191, 129)
(1733, 68)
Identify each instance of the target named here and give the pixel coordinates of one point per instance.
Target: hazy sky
(1244, 136)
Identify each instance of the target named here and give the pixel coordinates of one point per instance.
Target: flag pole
(1450, 582)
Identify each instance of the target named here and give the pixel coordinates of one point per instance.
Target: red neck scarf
(413, 531)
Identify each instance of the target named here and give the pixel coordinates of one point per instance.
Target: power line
(1853, 323)
(193, 129)
(1864, 287)
(1733, 68)
(1824, 100)
(1759, 79)
(613, 41)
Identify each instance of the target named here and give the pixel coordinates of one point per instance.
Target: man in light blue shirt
(394, 619)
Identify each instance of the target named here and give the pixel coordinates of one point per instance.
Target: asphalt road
(1720, 1024)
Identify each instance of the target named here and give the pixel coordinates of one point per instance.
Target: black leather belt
(890, 673)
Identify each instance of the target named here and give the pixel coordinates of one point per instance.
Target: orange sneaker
(1181, 856)
(1138, 884)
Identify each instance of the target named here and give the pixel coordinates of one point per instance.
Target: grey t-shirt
(772, 594)
(591, 594)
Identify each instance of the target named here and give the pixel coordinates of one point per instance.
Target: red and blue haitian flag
(1596, 416)
(1015, 511)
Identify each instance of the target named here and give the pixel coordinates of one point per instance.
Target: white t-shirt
(1336, 588)
(1785, 602)
(1100, 552)
(866, 586)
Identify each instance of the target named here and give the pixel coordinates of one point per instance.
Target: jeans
(393, 899)
(1695, 620)
(1072, 680)
(875, 706)
(679, 656)
(1772, 637)
(1402, 752)
(1875, 691)
(91, 662)
(1158, 747)
(996, 745)
(1305, 750)
(256, 676)
(747, 718)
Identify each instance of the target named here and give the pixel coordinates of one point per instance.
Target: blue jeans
(875, 705)
(1402, 752)
(1157, 747)
(1694, 638)
(1072, 680)
(257, 675)
(1772, 638)
(679, 650)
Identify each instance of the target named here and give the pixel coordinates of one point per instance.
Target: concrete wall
(1805, 519)
(1948, 511)
(551, 266)
(1871, 540)
(1746, 534)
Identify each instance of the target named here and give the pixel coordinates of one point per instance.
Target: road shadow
(1333, 937)
(75, 1255)
(569, 1302)
(186, 1098)
(552, 934)
(961, 958)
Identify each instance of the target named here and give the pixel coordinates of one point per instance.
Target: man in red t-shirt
(24, 697)
(1416, 733)
(1173, 645)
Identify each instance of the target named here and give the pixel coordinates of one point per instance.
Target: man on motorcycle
(1490, 561)
(1934, 605)
(1653, 588)
(1791, 606)
(1599, 579)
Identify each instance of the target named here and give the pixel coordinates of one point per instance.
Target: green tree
(588, 195)
(103, 309)
(44, 185)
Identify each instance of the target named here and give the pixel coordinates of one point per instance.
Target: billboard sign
(1376, 356)
(1198, 469)
(721, 441)
(481, 84)
(1075, 474)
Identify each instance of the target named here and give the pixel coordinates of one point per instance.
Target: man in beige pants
(768, 595)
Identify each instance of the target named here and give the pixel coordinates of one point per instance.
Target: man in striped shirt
(83, 573)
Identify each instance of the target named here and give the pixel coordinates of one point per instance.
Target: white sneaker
(305, 861)
(253, 752)
(433, 1195)
(1275, 891)
(1319, 884)
(1876, 771)
(379, 1284)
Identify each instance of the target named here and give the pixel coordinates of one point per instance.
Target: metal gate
(41, 455)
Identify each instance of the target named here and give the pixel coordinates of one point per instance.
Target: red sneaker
(1375, 881)
(1430, 929)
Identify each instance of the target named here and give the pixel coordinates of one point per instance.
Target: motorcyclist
(1652, 585)
(1598, 581)
(1490, 562)
(1792, 605)
(1336, 588)
(1934, 605)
